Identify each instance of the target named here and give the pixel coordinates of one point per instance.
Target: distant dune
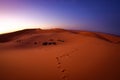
(14, 35)
(58, 54)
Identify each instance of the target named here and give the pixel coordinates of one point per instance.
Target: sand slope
(68, 55)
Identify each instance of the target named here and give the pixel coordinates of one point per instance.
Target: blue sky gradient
(92, 15)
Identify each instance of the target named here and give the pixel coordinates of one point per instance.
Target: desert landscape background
(59, 54)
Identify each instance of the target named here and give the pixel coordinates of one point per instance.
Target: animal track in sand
(60, 66)
(62, 69)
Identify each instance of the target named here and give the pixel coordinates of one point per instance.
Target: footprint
(59, 63)
(64, 77)
(57, 58)
(63, 70)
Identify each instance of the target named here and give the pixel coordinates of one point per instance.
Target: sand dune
(58, 54)
(14, 35)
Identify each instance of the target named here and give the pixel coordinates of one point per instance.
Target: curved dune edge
(14, 35)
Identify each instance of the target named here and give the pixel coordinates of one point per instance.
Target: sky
(90, 15)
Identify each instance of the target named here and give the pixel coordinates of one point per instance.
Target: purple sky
(92, 15)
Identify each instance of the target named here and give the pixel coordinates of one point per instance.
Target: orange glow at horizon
(13, 23)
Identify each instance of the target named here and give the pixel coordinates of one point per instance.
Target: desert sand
(58, 54)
